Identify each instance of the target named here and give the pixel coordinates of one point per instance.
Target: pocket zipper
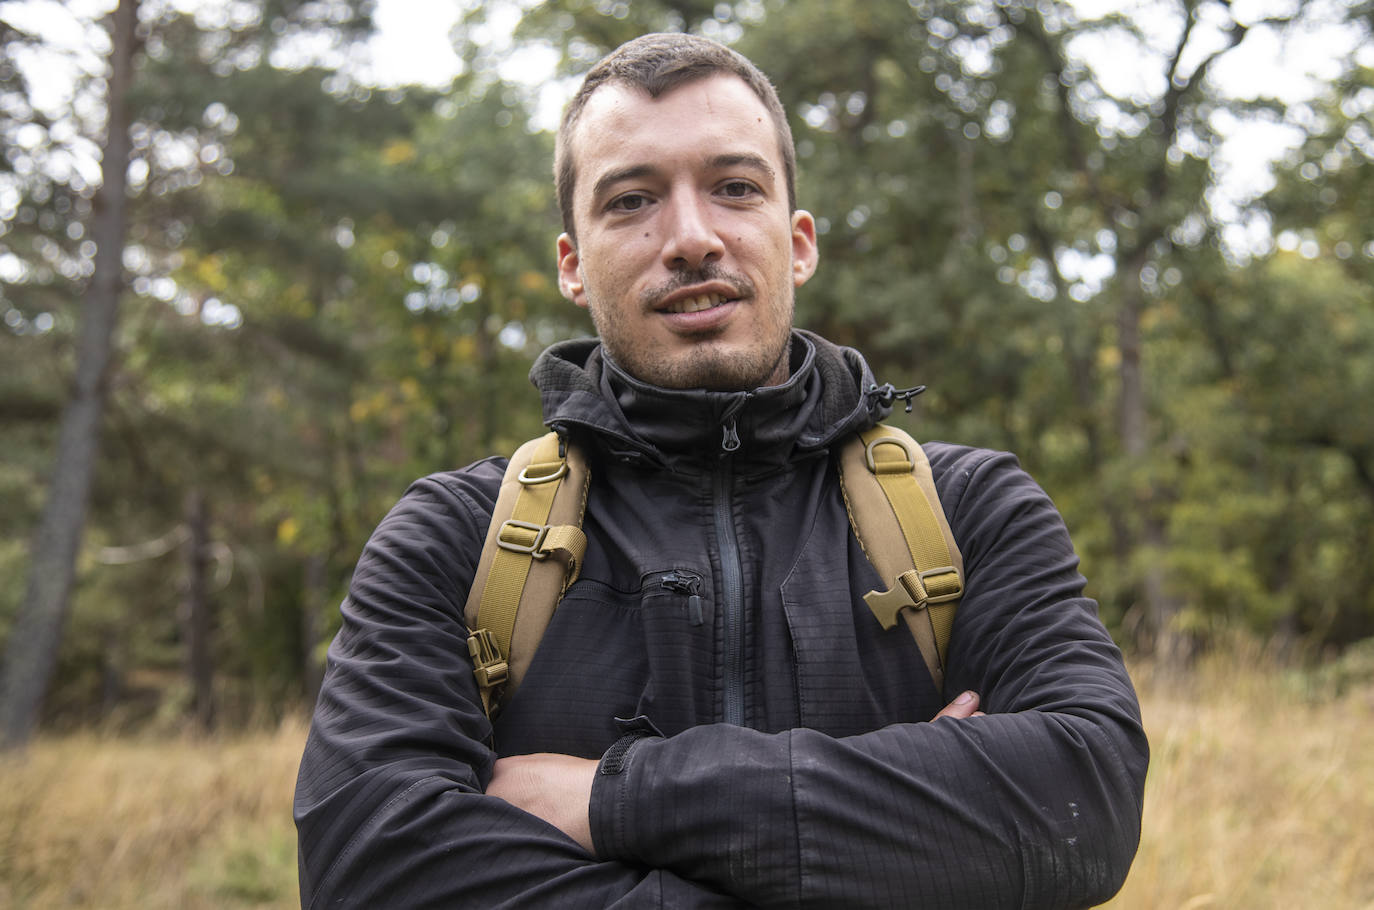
(689, 583)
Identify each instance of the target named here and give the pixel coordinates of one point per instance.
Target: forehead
(623, 126)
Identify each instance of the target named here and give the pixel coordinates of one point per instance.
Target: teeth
(696, 304)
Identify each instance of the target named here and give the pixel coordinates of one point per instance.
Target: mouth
(695, 304)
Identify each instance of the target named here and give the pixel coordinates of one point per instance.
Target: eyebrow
(744, 159)
(719, 162)
(611, 178)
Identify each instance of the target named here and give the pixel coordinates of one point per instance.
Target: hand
(966, 705)
(556, 788)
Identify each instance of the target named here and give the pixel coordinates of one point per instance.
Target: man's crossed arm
(558, 788)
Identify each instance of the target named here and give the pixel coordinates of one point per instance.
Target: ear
(804, 250)
(570, 271)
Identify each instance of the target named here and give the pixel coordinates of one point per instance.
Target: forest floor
(1260, 795)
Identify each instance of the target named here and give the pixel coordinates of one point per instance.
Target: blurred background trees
(331, 287)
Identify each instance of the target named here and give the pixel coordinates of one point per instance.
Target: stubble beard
(706, 364)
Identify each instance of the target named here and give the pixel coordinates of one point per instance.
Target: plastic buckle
(915, 583)
(515, 545)
(490, 668)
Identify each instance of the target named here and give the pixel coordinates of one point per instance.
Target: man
(714, 717)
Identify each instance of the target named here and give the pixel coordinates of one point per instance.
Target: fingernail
(965, 698)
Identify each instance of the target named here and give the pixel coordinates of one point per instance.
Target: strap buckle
(511, 538)
(923, 593)
(490, 668)
(915, 591)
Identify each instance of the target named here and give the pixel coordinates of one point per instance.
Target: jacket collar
(826, 397)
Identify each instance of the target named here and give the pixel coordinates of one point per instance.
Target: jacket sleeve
(389, 806)
(1036, 805)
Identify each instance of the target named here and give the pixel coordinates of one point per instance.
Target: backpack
(535, 544)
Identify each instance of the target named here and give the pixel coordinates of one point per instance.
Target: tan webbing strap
(538, 514)
(895, 513)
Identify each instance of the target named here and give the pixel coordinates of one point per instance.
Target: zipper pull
(731, 441)
(687, 583)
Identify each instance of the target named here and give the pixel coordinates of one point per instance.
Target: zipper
(689, 583)
(730, 439)
(731, 573)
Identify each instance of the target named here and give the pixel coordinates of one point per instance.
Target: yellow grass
(1260, 795)
(95, 822)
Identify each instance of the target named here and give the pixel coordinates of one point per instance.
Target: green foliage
(335, 288)
(327, 300)
(246, 866)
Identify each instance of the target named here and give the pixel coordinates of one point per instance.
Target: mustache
(740, 285)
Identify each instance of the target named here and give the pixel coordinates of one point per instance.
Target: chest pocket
(851, 675)
(678, 617)
(585, 672)
(611, 653)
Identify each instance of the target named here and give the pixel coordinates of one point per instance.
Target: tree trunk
(1160, 607)
(31, 652)
(1132, 410)
(195, 616)
(312, 607)
(489, 406)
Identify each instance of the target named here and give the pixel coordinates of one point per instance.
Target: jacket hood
(830, 393)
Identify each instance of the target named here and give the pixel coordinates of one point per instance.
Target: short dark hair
(657, 64)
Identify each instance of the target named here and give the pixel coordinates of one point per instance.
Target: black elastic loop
(887, 393)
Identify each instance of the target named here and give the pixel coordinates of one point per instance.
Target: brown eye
(630, 202)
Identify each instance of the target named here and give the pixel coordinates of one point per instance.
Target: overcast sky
(413, 45)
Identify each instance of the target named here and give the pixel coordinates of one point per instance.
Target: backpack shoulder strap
(538, 514)
(896, 515)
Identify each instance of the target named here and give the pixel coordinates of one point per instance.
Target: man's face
(687, 256)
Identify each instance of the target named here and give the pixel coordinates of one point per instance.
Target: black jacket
(719, 609)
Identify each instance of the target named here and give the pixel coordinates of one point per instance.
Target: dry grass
(1260, 796)
(1260, 793)
(97, 822)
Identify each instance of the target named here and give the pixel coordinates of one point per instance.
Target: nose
(691, 238)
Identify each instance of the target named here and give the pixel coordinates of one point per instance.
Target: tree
(139, 144)
(31, 650)
(999, 219)
(334, 288)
